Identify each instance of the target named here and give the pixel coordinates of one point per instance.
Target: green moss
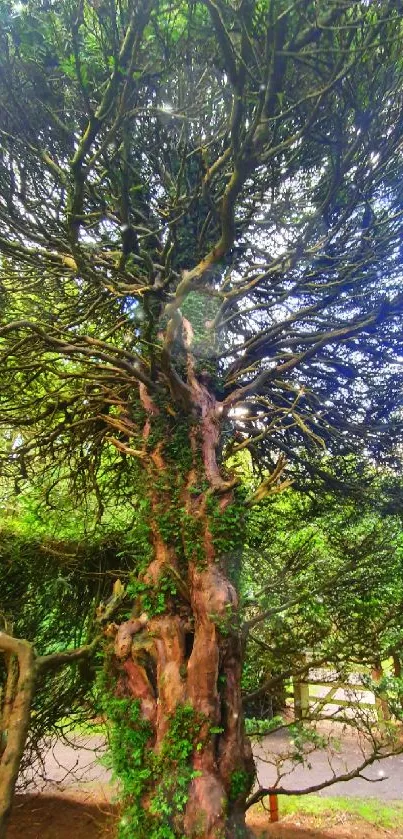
(179, 528)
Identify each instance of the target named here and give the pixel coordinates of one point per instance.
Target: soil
(67, 817)
(61, 817)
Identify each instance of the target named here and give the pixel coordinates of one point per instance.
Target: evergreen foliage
(200, 256)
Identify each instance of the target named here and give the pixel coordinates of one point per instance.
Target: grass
(75, 726)
(378, 813)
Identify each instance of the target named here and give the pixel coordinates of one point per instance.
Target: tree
(49, 608)
(54, 601)
(321, 585)
(322, 574)
(200, 236)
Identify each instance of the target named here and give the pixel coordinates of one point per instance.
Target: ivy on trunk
(178, 657)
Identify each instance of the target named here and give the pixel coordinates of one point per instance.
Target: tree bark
(397, 665)
(18, 717)
(190, 655)
(23, 668)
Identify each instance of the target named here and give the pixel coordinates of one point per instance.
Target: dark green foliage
(228, 529)
(253, 150)
(153, 600)
(240, 783)
(288, 204)
(326, 575)
(49, 594)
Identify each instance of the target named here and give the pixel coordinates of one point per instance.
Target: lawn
(364, 817)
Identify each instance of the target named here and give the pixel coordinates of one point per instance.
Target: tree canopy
(235, 166)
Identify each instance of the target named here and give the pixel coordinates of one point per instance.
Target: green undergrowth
(329, 811)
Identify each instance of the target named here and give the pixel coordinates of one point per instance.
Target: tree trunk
(178, 659)
(23, 668)
(397, 665)
(17, 713)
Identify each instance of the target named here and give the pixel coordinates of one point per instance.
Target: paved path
(385, 778)
(67, 767)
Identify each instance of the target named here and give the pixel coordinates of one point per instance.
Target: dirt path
(61, 817)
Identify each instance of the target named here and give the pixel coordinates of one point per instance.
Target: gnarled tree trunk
(180, 654)
(16, 717)
(23, 668)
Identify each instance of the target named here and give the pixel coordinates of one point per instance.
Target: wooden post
(273, 799)
(381, 703)
(301, 699)
(397, 665)
(301, 692)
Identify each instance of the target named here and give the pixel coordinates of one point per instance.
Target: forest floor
(86, 816)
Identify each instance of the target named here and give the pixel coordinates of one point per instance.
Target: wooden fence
(324, 693)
